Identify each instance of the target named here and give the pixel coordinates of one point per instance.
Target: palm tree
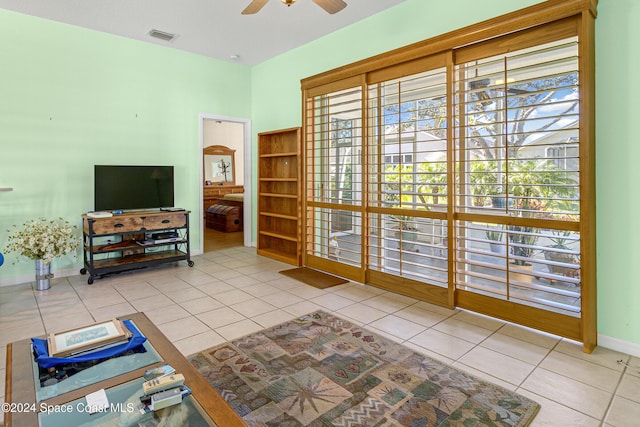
(539, 189)
(433, 181)
(538, 185)
(483, 179)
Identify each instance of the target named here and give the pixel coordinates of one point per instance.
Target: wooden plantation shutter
(333, 202)
(518, 174)
(408, 193)
(475, 184)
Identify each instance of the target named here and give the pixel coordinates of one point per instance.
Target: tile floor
(232, 292)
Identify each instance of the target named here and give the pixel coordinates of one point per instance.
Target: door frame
(248, 156)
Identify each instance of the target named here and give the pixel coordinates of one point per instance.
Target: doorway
(234, 133)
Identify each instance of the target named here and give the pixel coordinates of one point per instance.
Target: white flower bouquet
(44, 239)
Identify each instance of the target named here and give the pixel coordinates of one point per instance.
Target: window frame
(546, 21)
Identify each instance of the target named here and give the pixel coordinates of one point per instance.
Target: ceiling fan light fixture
(330, 6)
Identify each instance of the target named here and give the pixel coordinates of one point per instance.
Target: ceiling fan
(331, 6)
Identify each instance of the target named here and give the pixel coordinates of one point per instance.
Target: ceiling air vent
(168, 37)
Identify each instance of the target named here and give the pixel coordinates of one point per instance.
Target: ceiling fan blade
(331, 6)
(254, 7)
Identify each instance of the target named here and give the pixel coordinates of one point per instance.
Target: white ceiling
(213, 28)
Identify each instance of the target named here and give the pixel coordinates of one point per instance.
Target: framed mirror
(219, 165)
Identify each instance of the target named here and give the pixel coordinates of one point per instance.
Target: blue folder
(41, 348)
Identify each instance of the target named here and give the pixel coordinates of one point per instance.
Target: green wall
(71, 98)
(618, 175)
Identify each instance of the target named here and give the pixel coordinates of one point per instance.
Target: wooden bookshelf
(280, 195)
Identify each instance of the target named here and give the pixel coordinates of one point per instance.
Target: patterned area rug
(321, 370)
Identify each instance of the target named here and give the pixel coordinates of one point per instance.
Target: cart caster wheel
(190, 263)
(90, 280)
(83, 271)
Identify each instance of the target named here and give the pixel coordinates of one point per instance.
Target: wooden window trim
(538, 14)
(524, 39)
(408, 68)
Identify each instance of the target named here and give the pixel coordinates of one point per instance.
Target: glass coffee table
(34, 399)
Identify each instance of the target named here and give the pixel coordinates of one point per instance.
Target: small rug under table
(321, 370)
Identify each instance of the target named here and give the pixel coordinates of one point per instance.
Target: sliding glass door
(408, 181)
(460, 177)
(334, 209)
(518, 176)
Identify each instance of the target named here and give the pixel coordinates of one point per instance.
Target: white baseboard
(617, 344)
(67, 272)
(27, 278)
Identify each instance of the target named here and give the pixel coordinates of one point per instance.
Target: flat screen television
(121, 187)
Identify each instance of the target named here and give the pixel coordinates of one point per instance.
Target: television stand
(112, 244)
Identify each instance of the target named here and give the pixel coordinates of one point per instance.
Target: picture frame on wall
(85, 338)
